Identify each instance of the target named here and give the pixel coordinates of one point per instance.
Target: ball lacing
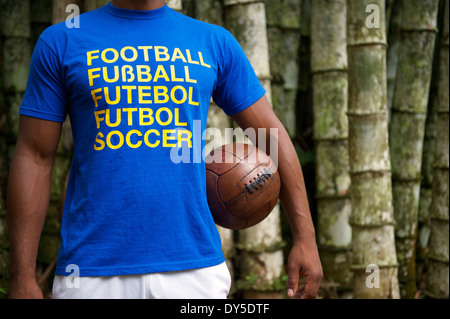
(258, 181)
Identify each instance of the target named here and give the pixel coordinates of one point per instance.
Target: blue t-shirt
(137, 87)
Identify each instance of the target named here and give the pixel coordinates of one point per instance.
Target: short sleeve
(45, 96)
(237, 85)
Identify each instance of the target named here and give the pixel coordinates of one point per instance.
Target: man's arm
(304, 257)
(28, 198)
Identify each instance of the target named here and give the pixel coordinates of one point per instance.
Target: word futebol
(228, 309)
(143, 74)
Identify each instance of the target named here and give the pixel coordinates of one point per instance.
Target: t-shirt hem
(41, 115)
(247, 103)
(144, 269)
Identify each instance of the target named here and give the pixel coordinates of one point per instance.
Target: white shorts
(205, 283)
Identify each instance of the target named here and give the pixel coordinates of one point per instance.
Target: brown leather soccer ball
(243, 185)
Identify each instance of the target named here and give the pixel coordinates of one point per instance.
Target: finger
(293, 280)
(300, 292)
(311, 288)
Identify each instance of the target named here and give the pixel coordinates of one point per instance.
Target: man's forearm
(293, 194)
(28, 198)
(304, 257)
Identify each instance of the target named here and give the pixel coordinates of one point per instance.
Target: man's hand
(304, 258)
(304, 261)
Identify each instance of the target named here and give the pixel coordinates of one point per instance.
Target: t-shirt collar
(136, 14)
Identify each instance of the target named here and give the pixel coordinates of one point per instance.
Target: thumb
(294, 271)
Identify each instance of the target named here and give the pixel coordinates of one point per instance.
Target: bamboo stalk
(407, 129)
(15, 59)
(211, 11)
(277, 58)
(396, 17)
(304, 111)
(260, 246)
(438, 267)
(4, 266)
(330, 86)
(175, 4)
(189, 7)
(89, 5)
(429, 147)
(288, 22)
(40, 18)
(246, 20)
(389, 9)
(372, 217)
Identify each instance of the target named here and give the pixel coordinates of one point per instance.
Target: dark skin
(30, 181)
(304, 257)
(28, 198)
(138, 4)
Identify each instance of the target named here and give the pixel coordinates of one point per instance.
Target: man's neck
(138, 4)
